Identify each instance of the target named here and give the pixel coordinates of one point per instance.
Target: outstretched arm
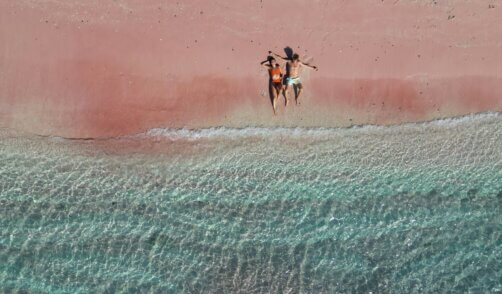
(311, 66)
(264, 63)
(277, 55)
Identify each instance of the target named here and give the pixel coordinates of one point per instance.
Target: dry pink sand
(100, 68)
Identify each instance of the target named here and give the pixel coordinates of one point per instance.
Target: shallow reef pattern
(399, 209)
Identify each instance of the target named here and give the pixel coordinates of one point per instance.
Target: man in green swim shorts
(293, 74)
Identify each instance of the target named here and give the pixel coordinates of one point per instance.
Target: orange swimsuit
(275, 75)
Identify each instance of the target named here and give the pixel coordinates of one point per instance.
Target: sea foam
(301, 132)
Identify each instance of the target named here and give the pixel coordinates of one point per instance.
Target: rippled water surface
(411, 208)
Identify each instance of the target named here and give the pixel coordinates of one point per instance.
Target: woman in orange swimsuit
(275, 82)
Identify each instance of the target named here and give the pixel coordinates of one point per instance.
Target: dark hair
(270, 58)
(296, 56)
(277, 64)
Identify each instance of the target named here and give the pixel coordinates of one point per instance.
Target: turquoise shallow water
(410, 208)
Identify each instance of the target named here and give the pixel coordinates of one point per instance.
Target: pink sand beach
(107, 68)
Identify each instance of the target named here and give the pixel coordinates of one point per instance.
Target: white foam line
(298, 132)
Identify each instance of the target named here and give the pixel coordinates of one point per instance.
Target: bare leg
(278, 93)
(274, 101)
(286, 100)
(298, 95)
(285, 93)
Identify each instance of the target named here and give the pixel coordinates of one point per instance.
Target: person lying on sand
(275, 82)
(293, 74)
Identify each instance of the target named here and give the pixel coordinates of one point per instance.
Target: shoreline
(261, 131)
